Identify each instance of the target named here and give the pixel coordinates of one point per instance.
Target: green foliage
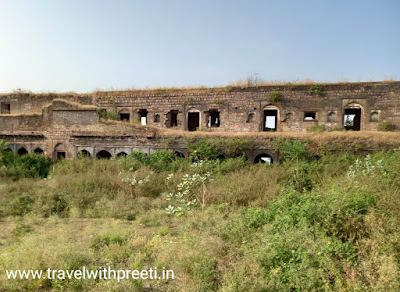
(3, 146)
(205, 272)
(385, 126)
(108, 115)
(301, 225)
(292, 150)
(203, 149)
(274, 96)
(255, 217)
(211, 149)
(316, 89)
(26, 166)
(21, 230)
(162, 160)
(235, 145)
(317, 128)
(20, 206)
(106, 239)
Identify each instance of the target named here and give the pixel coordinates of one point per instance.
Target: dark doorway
(22, 151)
(263, 158)
(5, 108)
(193, 121)
(124, 117)
(38, 151)
(122, 154)
(352, 119)
(213, 118)
(172, 119)
(270, 120)
(103, 154)
(60, 155)
(143, 116)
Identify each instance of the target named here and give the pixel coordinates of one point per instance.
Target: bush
(316, 89)
(21, 205)
(108, 115)
(106, 239)
(386, 126)
(203, 149)
(26, 166)
(274, 96)
(164, 160)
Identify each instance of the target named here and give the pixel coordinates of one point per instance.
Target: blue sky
(48, 45)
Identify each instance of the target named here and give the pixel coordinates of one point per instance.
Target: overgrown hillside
(301, 224)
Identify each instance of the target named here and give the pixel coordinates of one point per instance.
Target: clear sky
(82, 45)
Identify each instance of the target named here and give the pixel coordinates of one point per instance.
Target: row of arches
(22, 151)
(104, 154)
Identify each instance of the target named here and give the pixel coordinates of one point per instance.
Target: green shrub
(385, 126)
(106, 239)
(163, 160)
(21, 230)
(203, 149)
(204, 271)
(255, 217)
(20, 206)
(108, 115)
(274, 96)
(316, 89)
(235, 146)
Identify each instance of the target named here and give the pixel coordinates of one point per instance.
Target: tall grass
(302, 224)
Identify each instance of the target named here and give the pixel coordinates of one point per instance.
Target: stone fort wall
(65, 124)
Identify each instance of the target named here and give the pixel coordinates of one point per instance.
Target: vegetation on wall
(108, 115)
(316, 89)
(274, 96)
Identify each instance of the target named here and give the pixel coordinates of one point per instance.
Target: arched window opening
(374, 117)
(263, 158)
(332, 117)
(22, 151)
(103, 154)
(38, 151)
(250, 118)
